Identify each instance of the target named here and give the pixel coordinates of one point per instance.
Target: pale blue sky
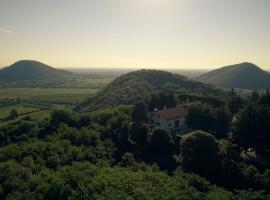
(135, 33)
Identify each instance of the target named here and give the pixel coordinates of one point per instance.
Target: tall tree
(139, 134)
(61, 116)
(235, 104)
(154, 102)
(206, 118)
(221, 123)
(139, 113)
(255, 96)
(199, 152)
(252, 128)
(161, 140)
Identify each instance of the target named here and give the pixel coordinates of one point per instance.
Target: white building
(170, 119)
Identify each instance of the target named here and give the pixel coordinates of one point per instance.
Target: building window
(169, 124)
(157, 123)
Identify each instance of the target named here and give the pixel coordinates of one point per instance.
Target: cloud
(6, 31)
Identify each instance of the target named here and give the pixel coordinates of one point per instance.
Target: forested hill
(31, 70)
(243, 75)
(138, 85)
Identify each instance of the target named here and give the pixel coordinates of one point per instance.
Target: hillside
(138, 85)
(243, 75)
(31, 70)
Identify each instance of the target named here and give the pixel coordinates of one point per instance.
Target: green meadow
(39, 102)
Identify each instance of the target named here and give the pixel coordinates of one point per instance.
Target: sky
(189, 34)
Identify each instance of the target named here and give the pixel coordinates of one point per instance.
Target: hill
(243, 75)
(31, 70)
(138, 85)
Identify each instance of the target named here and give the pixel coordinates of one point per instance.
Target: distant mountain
(31, 70)
(244, 75)
(138, 85)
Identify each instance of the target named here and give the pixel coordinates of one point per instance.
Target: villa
(171, 119)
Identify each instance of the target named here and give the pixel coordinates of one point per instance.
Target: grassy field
(28, 93)
(47, 96)
(21, 109)
(39, 102)
(39, 115)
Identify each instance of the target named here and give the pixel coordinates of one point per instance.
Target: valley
(134, 100)
(143, 123)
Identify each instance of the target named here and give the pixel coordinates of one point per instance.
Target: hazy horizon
(78, 68)
(181, 34)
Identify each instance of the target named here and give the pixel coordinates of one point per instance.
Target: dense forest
(136, 86)
(115, 153)
(134, 100)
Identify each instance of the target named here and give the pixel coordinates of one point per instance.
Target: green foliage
(105, 155)
(235, 104)
(161, 100)
(83, 180)
(161, 140)
(135, 87)
(139, 113)
(230, 165)
(61, 116)
(127, 160)
(214, 101)
(252, 128)
(199, 152)
(265, 99)
(251, 195)
(18, 131)
(206, 118)
(139, 134)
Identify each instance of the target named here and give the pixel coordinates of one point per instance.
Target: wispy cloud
(2, 30)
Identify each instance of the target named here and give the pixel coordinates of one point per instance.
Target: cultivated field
(37, 102)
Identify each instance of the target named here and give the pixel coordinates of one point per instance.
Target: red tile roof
(176, 112)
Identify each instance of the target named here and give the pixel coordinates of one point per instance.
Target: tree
(206, 118)
(199, 152)
(163, 100)
(60, 116)
(162, 148)
(229, 171)
(84, 121)
(252, 128)
(200, 118)
(139, 134)
(255, 96)
(265, 99)
(221, 123)
(139, 113)
(127, 160)
(154, 102)
(13, 114)
(161, 140)
(235, 104)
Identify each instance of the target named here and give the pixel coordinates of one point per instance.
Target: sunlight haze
(194, 34)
